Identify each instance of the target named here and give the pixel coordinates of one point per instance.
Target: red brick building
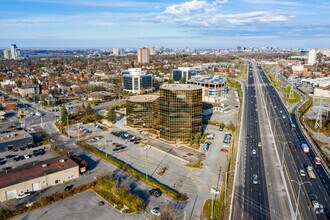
(9, 105)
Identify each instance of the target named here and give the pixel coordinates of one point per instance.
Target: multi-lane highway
(250, 197)
(295, 159)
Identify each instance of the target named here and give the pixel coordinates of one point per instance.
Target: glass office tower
(180, 109)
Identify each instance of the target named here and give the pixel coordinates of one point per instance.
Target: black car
(67, 188)
(10, 156)
(156, 192)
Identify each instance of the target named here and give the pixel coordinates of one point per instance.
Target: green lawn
(295, 94)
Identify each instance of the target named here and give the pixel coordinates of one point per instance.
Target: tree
(170, 81)
(64, 115)
(111, 115)
(19, 83)
(89, 110)
(222, 126)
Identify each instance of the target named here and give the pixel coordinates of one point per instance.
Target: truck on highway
(305, 148)
(310, 172)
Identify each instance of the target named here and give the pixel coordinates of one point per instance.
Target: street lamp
(146, 148)
(215, 192)
(106, 147)
(297, 201)
(226, 180)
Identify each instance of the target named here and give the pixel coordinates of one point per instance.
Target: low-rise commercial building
(28, 90)
(143, 111)
(135, 80)
(15, 140)
(215, 88)
(36, 176)
(182, 74)
(9, 105)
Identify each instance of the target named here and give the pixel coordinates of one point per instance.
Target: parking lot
(82, 206)
(17, 158)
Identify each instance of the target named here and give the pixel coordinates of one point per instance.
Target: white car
(155, 211)
(259, 144)
(302, 172)
(283, 116)
(255, 179)
(316, 204)
(254, 151)
(22, 195)
(26, 156)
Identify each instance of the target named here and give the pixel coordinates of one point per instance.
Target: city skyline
(179, 24)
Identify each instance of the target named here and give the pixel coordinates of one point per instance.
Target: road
(250, 197)
(295, 158)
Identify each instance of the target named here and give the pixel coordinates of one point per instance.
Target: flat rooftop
(208, 79)
(34, 170)
(142, 98)
(180, 87)
(15, 135)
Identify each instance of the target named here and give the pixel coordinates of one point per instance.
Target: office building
(311, 57)
(182, 74)
(180, 109)
(15, 140)
(36, 176)
(142, 111)
(29, 90)
(6, 54)
(14, 52)
(143, 55)
(152, 51)
(136, 81)
(115, 51)
(215, 88)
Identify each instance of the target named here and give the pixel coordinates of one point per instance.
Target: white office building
(115, 51)
(152, 51)
(136, 80)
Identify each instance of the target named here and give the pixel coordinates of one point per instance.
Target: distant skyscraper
(115, 51)
(13, 52)
(239, 48)
(311, 57)
(152, 50)
(143, 55)
(6, 54)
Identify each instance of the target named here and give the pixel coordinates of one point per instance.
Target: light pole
(214, 193)
(297, 201)
(106, 147)
(146, 148)
(226, 180)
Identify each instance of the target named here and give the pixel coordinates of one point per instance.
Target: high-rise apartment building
(143, 55)
(13, 51)
(6, 54)
(311, 57)
(152, 51)
(182, 74)
(135, 80)
(115, 51)
(180, 110)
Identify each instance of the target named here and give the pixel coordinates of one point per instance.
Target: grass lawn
(295, 94)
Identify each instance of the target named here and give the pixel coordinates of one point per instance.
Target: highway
(295, 159)
(251, 197)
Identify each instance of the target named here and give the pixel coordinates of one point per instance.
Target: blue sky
(174, 24)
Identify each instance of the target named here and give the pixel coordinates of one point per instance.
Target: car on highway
(254, 152)
(155, 192)
(283, 116)
(22, 195)
(317, 160)
(223, 150)
(255, 179)
(291, 145)
(302, 172)
(155, 211)
(259, 144)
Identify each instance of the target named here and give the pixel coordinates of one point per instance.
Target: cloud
(205, 13)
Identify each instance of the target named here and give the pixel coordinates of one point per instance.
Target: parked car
(224, 150)
(22, 195)
(67, 188)
(155, 211)
(156, 192)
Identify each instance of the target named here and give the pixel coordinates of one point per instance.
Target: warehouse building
(36, 176)
(15, 140)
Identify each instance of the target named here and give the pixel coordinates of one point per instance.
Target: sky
(173, 24)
